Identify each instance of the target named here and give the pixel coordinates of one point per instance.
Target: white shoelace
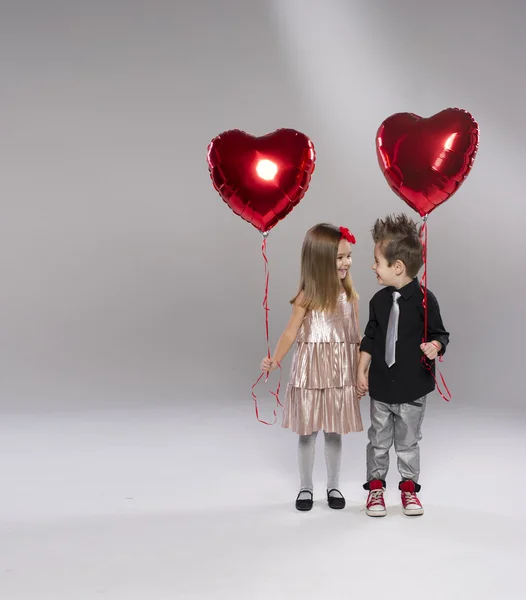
(376, 497)
(410, 498)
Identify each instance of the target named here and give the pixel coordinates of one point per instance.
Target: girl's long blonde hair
(320, 285)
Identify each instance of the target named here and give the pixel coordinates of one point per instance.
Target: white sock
(333, 459)
(306, 452)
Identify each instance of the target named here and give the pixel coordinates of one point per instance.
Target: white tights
(333, 456)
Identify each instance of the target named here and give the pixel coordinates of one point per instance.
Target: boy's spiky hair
(399, 239)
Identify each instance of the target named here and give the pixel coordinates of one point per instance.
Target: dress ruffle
(334, 410)
(324, 365)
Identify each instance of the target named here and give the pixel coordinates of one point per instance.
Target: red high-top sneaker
(410, 503)
(375, 506)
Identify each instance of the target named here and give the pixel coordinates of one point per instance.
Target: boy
(392, 347)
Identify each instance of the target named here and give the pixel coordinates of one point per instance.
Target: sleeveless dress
(321, 394)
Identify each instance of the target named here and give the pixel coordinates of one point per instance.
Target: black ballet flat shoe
(304, 504)
(336, 502)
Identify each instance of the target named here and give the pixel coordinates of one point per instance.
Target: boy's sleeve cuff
(367, 345)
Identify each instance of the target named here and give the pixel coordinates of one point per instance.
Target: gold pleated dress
(321, 394)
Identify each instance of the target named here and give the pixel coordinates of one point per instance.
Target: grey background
(125, 279)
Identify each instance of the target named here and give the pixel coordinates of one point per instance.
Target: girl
(322, 393)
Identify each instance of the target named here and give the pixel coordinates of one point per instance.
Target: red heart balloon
(261, 178)
(426, 160)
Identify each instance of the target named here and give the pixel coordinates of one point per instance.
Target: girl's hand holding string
(269, 364)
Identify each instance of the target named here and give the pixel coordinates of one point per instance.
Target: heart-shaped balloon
(261, 178)
(425, 160)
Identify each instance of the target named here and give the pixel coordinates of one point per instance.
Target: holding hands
(362, 384)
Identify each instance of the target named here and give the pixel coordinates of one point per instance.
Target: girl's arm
(287, 338)
(356, 312)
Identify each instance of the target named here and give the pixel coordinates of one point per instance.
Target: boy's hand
(431, 349)
(362, 384)
(269, 364)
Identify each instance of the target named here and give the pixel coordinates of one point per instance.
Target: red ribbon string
(423, 287)
(423, 281)
(266, 309)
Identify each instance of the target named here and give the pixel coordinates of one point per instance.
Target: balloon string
(423, 287)
(264, 374)
(265, 297)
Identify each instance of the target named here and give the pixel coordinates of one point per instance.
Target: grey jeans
(401, 424)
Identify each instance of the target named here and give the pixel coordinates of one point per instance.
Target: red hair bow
(347, 235)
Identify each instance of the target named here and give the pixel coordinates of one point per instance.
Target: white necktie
(392, 332)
